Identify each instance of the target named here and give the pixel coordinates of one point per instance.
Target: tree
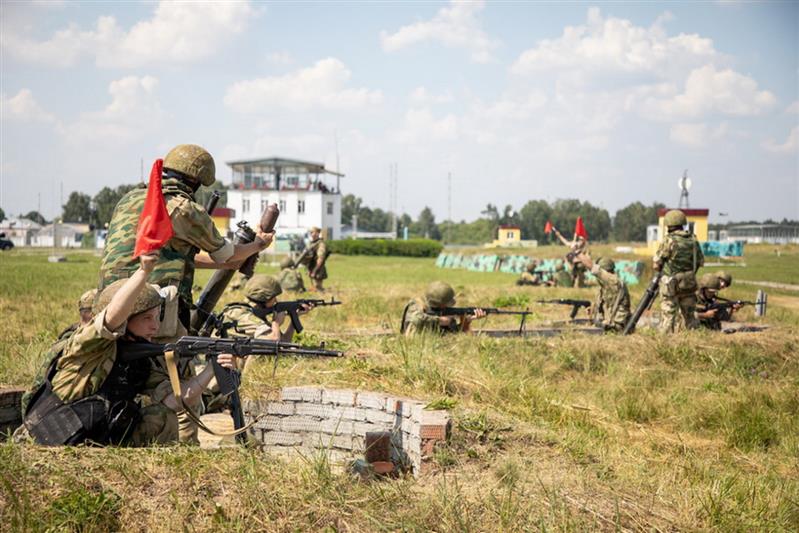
(350, 205)
(534, 215)
(78, 208)
(491, 213)
(36, 217)
(106, 200)
(596, 219)
(425, 225)
(631, 221)
(2, 214)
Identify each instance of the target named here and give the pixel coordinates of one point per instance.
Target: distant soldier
(315, 256)
(678, 257)
(612, 305)
(725, 279)
(562, 277)
(85, 314)
(186, 167)
(417, 316)
(709, 286)
(531, 274)
(576, 246)
(289, 278)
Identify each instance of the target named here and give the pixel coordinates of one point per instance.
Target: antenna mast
(684, 184)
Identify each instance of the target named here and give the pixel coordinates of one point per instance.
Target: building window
(245, 205)
(510, 235)
(300, 206)
(329, 208)
(281, 205)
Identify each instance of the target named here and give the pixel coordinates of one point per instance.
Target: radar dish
(684, 183)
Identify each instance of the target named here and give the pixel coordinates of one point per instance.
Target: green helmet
(724, 277)
(675, 217)
(87, 299)
(148, 298)
(286, 262)
(262, 288)
(709, 281)
(193, 161)
(439, 294)
(607, 264)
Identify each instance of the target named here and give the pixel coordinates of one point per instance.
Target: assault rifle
(723, 306)
(299, 260)
(463, 311)
(293, 306)
(646, 302)
(229, 380)
(220, 279)
(575, 304)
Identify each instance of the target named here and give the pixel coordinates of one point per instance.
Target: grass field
(695, 432)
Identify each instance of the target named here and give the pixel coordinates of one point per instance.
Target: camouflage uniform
(563, 278)
(417, 319)
(578, 269)
(289, 278)
(530, 276)
(316, 249)
(680, 257)
(709, 285)
(84, 364)
(612, 305)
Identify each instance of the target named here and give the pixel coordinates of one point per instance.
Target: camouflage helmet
(286, 262)
(709, 281)
(439, 294)
(148, 298)
(607, 264)
(193, 161)
(675, 217)
(262, 288)
(725, 277)
(87, 299)
(314, 229)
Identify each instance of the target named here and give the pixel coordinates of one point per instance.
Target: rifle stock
(645, 303)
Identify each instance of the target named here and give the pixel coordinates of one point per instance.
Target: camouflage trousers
(578, 274)
(677, 312)
(158, 425)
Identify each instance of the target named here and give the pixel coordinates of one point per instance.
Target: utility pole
(449, 206)
(338, 172)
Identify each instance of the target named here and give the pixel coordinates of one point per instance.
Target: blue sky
(606, 102)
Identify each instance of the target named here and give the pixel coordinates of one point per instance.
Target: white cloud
(614, 44)
(133, 112)
(24, 107)
(178, 32)
(793, 108)
(790, 146)
(455, 26)
(708, 90)
(322, 85)
(420, 127)
(421, 96)
(280, 58)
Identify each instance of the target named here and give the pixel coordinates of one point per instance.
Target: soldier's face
(314, 235)
(146, 323)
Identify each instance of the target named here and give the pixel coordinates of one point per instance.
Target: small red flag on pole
(548, 227)
(579, 229)
(155, 226)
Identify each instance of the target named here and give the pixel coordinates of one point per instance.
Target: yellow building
(697, 223)
(222, 217)
(508, 236)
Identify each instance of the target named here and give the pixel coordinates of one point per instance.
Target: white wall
(290, 221)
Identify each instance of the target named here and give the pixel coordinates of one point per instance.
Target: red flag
(579, 229)
(155, 226)
(548, 227)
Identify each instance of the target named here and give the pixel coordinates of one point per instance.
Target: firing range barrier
(629, 271)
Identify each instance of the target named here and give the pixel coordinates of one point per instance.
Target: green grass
(696, 432)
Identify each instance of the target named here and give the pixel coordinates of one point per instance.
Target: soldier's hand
(445, 321)
(147, 262)
(264, 239)
(304, 309)
(226, 360)
(479, 313)
(279, 318)
(710, 313)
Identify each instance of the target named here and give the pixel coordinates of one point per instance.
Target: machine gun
(723, 306)
(293, 306)
(229, 380)
(646, 302)
(575, 304)
(464, 311)
(221, 278)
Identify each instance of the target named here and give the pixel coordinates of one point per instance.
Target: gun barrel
(643, 305)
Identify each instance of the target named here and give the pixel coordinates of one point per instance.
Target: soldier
(562, 277)
(186, 167)
(678, 257)
(417, 317)
(289, 278)
(612, 305)
(576, 246)
(709, 286)
(315, 257)
(725, 279)
(89, 391)
(84, 313)
(531, 275)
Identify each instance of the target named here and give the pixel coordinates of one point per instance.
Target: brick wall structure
(308, 419)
